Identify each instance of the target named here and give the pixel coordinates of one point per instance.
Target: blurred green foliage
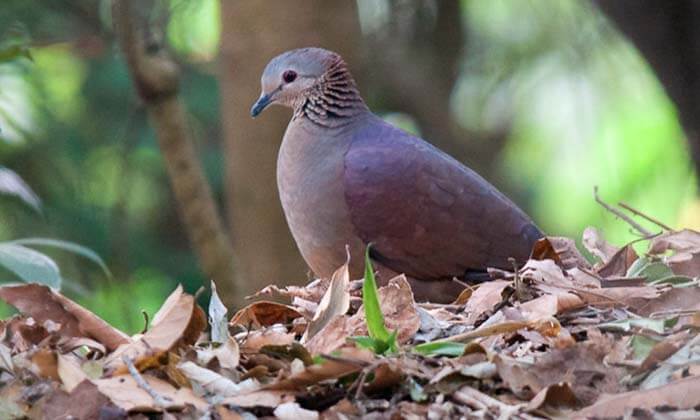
(581, 106)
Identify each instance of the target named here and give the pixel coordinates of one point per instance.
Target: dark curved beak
(260, 105)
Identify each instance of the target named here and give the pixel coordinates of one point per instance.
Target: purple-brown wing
(426, 214)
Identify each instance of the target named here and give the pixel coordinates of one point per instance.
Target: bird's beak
(262, 103)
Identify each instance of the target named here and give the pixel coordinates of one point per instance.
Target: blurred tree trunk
(253, 33)
(156, 79)
(420, 53)
(667, 33)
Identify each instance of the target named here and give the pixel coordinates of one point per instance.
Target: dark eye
(289, 76)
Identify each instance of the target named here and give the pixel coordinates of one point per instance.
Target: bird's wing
(426, 214)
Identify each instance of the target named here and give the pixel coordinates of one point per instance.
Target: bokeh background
(546, 99)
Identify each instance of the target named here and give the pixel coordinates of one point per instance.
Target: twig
(640, 214)
(145, 321)
(620, 214)
(158, 400)
(474, 398)
(156, 77)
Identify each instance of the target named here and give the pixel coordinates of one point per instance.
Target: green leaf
(367, 343)
(679, 281)
(13, 184)
(637, 266)
(626, 325)
(642, 345)
(652, 270)
(656, 271)
(370, 301)
(66, 246)
(29, 265)
(441, 349)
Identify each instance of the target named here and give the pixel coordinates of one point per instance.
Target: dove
(348, 179)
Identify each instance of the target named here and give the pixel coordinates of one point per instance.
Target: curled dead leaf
(685, 245)
(44, 304)
(336, 301)
(595, 243)
(216, 384)
(178, 322)
(264, 314)
(484, 298)
(126, 394)
(275, 335)
(681, 394)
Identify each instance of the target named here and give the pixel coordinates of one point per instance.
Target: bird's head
(290, 78)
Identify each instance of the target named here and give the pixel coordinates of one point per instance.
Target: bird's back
(428, 215)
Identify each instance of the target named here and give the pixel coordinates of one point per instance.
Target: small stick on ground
(145, 321)
(158, 400)
(620, 214)
(645, 216)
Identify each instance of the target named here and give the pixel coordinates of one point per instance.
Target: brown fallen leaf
(549, 305)
(333, 335)
(336, 301)
(260, 398)
(675, 300)
(264, 314)
(681, 394)
(83, 402)
(126, 394)
(400, 314)
(619, 263)
(45, 364)
(399, 309)
(70, 373)
(596, 245)
(685, 245)
(227, 354)
(275, 335)
(312, 292)
(388, 374)
(554, 396)
(293, 411)
(484, 298)
(561, 250)
(663, 350)
(216, 384)
(178, 322)
(348, 360)
(44, 304)
(634, 297)
(478, 400)
(582, 365)
(463, 297)
(24, 333)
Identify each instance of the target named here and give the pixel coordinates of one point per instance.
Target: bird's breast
(310, 171)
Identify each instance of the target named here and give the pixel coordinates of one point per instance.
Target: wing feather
(426, 214)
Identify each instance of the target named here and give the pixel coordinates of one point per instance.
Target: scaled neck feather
(334, 100)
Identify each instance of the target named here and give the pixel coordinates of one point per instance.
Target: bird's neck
(334, 101)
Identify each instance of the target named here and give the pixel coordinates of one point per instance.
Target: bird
(348, 179)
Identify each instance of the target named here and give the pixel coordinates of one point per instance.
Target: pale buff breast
(310, 180)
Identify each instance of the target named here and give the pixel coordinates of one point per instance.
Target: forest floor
(557, 338)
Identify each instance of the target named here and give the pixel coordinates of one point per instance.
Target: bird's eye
(289, 76)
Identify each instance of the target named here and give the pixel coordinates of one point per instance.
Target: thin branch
(620, 214)
(156, 78)
(640, 214)
(158, 400)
